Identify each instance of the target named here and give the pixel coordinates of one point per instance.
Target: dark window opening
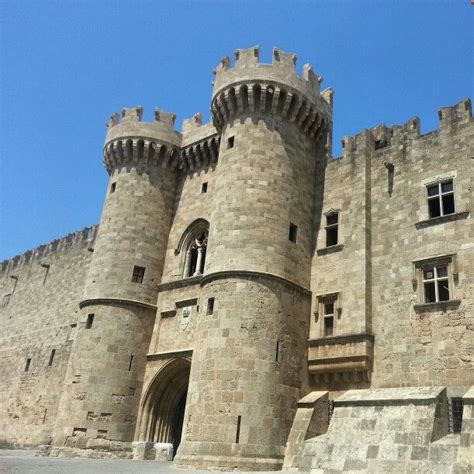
(456, 411)
(441, 199)
(112, 187)
(51, 357)
(380, 144)
(210, 306)
(27, 365)
(89, 321)
(277, 352)
(237, 434)
(130, 363)
(292, 234)
(102, 434)
(332, 226)
(138, 274)
(230, 142)
(204, 188)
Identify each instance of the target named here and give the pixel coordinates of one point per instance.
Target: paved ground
(21, 461)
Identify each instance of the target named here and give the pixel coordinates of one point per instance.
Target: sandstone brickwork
(250, 302)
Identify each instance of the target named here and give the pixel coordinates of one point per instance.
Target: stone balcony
(340, 354)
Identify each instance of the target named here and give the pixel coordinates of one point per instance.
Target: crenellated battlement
(82, 238)
(381, 136)
(276, 89)
(129, 140)
(282, 70)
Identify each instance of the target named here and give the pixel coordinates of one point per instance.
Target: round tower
(249, 360)
(104, 377)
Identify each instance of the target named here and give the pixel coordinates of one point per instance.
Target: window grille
(456, 406)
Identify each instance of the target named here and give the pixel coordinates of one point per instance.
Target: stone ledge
(442, 219)
(339, 354)
(94, 301)
(248, 273)
(390, 396)
(331, 249)
(342, 339)
(437, 306)
(173, 285)
(165, 355)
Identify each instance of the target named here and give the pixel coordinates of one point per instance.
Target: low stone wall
(388, 430)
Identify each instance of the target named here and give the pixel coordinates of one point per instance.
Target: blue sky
(67, 65)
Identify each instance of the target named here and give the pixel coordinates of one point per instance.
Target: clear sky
(67, 65)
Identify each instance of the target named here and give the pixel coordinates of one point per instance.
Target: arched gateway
(162, 411)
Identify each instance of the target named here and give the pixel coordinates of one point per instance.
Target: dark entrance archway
(165, 404)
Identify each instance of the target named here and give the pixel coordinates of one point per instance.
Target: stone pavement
(21, 461)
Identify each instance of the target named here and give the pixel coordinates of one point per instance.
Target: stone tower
(105, 372)
(249, 357)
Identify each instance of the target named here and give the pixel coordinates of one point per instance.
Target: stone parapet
(274, 89)
(340, 354)
(130, 141)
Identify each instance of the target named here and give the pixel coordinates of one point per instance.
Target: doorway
(165, 404)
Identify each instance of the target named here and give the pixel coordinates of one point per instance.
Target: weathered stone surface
(224, 331)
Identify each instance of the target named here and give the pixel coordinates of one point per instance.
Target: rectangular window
(277, 352)
(332, 225)
(293, 232)
(112, 187)
(230, 142)
(130, 363)
(456, 408)
(436, 283)
(27, 365)
(138, 274)
(51, 357)
(204, 188)
(210, 306)
(328, 319)
(102, 434)
(89, 321)
(440, 198)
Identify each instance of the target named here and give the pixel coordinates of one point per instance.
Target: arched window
(193, 247)
(196, 256)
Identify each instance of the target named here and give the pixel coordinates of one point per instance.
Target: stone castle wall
(39, 317)
(244, 340)
(379, 190)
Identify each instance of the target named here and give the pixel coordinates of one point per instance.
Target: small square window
(441, 199)
(204, 188)
(293, 232)
(138, 274)
(230, 142)
(89, 321)
(112, 187)
(210, 306)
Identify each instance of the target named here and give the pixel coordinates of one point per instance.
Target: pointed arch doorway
(165, 403)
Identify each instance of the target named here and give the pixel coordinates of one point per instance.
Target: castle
(248, 301)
